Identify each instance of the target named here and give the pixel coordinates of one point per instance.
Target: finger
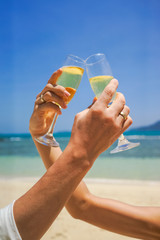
(50, 106)
(53, 79)
(108, 93)
(118, 104)
(125, 112)
(127, 123)
(51, 97)
(94, 100)
(56, 89)
(39, 100)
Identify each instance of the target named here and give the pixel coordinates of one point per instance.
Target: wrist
(79, 156)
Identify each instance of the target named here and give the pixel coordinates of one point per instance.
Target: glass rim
(99, 60)
(76, 58)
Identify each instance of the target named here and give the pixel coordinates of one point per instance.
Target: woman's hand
(47, 105)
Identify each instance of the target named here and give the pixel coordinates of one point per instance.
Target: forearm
(118, 217)
(43, 202)
(49, 155)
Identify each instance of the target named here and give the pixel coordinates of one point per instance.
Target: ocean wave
(11, 139)
(143, 137)
(15, 139)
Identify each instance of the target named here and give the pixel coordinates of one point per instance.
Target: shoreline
(87, 180)
(121, 181)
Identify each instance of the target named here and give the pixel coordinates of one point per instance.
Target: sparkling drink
(70, 79)
(98, 83)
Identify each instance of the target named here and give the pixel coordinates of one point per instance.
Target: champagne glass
(100, 74)
(70, 78)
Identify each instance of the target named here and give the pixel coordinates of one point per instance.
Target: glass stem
(50, 131)
(121, 137)
(122, 140)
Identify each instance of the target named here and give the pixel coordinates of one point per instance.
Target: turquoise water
(19, 157)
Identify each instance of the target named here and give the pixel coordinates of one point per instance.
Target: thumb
(53, 79)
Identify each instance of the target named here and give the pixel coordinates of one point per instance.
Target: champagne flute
(70, 78)
(100, 74)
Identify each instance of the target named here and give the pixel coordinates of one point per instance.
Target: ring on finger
(42, 98)
(123, 115)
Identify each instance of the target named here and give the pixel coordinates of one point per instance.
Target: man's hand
(95, 129)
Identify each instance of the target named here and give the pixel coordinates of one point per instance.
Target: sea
(19, 158)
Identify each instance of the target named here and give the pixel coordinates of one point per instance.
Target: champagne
(72, 91)
(70, 79)
(98, 83)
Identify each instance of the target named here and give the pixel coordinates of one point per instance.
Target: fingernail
(114, 80)
(67, 94)
(95, 99)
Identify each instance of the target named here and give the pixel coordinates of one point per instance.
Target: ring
(41, 98)
(123, 115)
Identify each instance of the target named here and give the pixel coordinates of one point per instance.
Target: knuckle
(114, 125)
(123, 102)
(110, 116)
(47, 88)
(128, 109)
(61, 88)
(110, 119)
(109, 92)
(117, 127)
(111, 122)
(77, 116)
(96, 113)
(49, 85)
(47, 95)
(122, 99)
(58, 90)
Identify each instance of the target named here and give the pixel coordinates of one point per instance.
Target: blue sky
(36, 36)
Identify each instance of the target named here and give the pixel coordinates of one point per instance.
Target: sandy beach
(67, 228)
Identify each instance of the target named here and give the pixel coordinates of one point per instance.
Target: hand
(44, 110)
(95, 129)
